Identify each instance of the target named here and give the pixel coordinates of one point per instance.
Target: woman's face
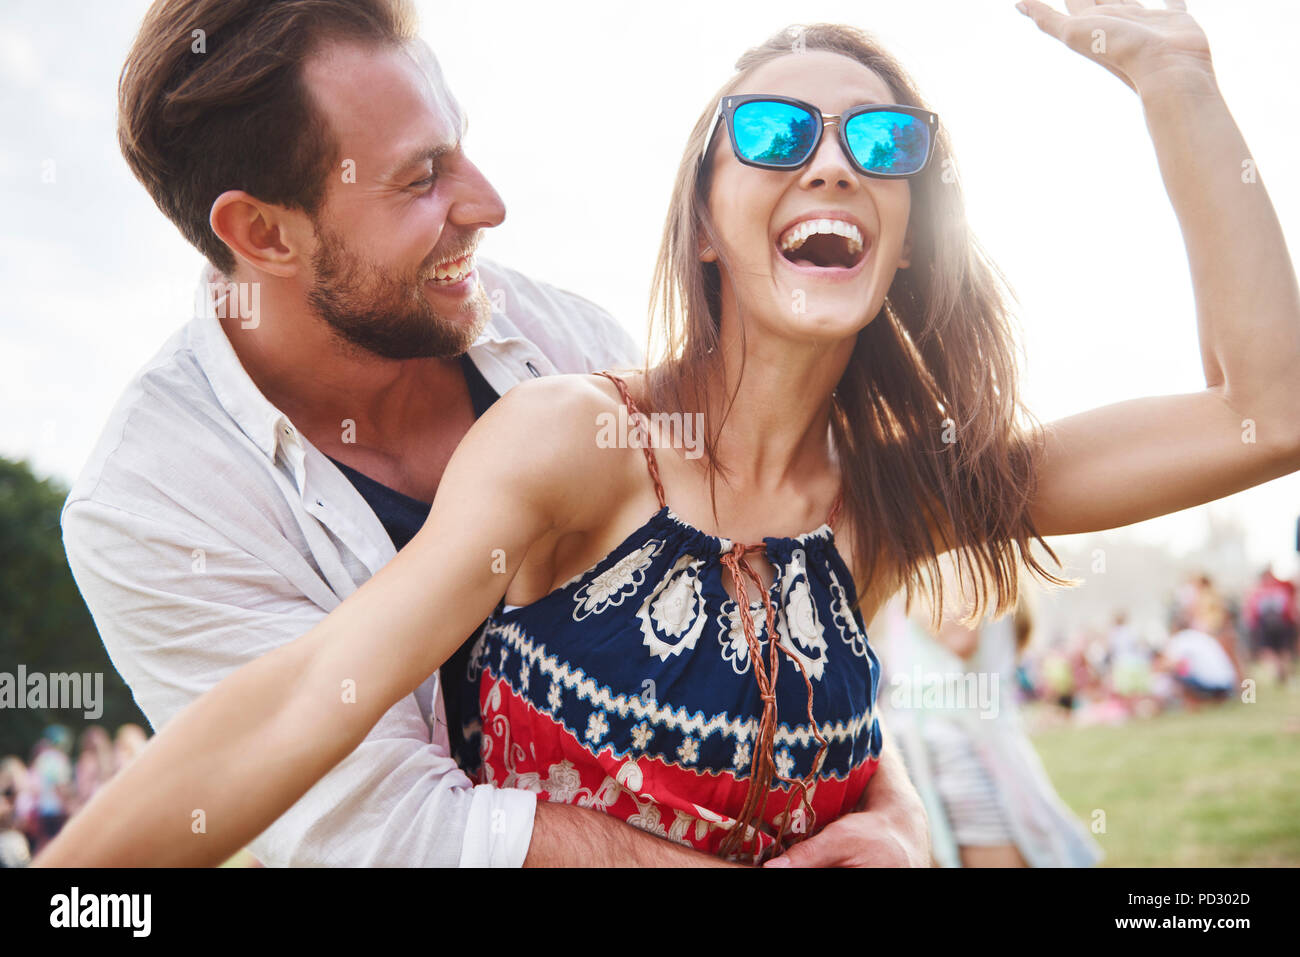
(824, 290)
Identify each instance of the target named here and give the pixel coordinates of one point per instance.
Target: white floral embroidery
(784, 763)
(476, 656)
(610, 587)
(641, 736)
(674, 609)
(681, 827)
(740, 760)
(494, 697)
(629, 775)
(647, 818)
(689, 752)
(524, 672)
(798, 619)
(605, 795)
(713, 817)
(731, 634)
(562, 782)
(553, 696)
(801, 615)
(505, 653)
(597, 727)
(845, 620)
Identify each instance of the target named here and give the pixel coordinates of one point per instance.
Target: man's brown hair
(226, 108)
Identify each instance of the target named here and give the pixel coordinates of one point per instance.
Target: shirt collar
(261, 421)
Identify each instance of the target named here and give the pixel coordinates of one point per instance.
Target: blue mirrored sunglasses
(888, 141)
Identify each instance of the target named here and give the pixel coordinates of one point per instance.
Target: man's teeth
(454, 271)
(798, 234)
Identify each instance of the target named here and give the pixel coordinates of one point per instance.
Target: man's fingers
(813, 852)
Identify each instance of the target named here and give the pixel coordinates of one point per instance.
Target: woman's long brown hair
(927, 418)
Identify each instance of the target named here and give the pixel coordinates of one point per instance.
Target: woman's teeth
(798, 234)
(454, 271)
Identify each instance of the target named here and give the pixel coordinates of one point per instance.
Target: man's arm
(174, 628)
(569, 836)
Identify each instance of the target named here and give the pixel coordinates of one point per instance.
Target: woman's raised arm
(248, 749)
(1134, 460)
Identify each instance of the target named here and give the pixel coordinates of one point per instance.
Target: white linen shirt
(205, 530)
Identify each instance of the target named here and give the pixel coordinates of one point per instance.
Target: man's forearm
(569, 836)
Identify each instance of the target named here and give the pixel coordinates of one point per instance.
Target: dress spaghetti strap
(638, 422)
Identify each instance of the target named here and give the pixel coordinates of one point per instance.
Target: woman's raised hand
(1143, 46)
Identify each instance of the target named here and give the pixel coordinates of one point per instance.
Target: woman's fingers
(1049, 20)
(1068, 30)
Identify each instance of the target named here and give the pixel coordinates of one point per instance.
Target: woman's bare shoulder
(552, 432)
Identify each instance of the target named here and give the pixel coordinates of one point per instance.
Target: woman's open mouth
(823, 244)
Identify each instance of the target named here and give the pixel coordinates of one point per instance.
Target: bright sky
(579, 114)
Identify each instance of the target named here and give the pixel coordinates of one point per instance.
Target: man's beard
(386, 314)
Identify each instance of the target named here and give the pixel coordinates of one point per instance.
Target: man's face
(393, 268)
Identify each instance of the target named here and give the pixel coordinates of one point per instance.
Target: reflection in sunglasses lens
(886, 142)
(776, 133)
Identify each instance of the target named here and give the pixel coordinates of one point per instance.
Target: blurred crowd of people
(1210, 644)
(966, 742)
(38, 797)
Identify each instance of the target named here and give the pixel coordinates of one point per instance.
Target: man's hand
(889, 829)
(863, 839)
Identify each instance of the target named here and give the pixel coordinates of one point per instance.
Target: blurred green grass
(1219, 787)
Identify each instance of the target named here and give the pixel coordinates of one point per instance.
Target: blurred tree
(790, 142)
(44, 624)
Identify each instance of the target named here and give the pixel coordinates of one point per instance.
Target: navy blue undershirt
(402, 517)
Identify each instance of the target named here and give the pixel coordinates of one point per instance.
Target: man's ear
(266, 237)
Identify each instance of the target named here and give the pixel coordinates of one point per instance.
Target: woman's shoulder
(556, 414)
(553, 429)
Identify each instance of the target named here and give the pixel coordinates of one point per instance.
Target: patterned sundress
(633, 689)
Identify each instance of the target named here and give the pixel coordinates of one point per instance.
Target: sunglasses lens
(774, 134)
(886, 142)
